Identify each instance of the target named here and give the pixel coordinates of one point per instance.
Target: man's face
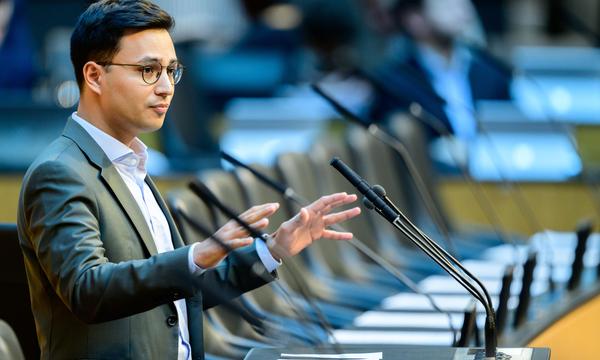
(131, 106)
(449, 17)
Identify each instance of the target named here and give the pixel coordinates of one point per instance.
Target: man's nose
(164, 86)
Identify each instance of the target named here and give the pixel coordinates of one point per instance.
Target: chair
(15, 305)
(377, 164)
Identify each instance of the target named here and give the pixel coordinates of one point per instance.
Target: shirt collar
(134, 155)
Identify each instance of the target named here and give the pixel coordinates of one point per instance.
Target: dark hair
(102, 25)
(402, 6)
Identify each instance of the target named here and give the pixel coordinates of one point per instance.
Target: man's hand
(209, 253)
(310, 224)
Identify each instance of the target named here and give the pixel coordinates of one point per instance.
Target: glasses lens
(151, 73)
(177, 72)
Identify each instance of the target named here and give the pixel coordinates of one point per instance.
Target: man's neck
(94, 117)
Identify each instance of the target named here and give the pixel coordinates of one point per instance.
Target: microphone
(583, 233)
(207, 195)
(290, 194)
(432, 249)
(405, 155)
(525, 293)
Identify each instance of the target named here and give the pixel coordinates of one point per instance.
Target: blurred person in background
(16, 47)
(438, 66)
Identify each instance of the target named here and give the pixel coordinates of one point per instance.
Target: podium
(395, 352)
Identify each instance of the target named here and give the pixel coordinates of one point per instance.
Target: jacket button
(176, 296)
(171, 320)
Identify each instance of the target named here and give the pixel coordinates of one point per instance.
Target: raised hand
(310, 224)
(209, 253)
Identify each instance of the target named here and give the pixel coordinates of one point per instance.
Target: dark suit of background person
(96, 280)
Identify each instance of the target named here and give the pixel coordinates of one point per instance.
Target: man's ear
(93, 75)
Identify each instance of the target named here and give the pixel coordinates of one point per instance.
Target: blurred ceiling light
(523, 156)
(67, 94)
(282, 16)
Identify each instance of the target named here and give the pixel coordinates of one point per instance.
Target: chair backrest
(9, 344)
(184, 203)
(331, 181)
(15, 304)
(298, 172)
(411, 133)
(376, 163)
(257, 193)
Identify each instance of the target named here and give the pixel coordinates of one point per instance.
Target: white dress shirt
(450, 79)
(130, 162)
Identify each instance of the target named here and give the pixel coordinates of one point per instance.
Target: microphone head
(379, 190)
(367, 203)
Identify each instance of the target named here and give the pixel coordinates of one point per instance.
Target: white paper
(365, 356)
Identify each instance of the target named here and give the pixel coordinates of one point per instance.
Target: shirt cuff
(194, 269)
(265, 256)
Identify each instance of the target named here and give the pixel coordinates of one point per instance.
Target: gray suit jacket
(99, 290)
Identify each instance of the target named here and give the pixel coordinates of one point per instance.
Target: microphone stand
(432, 249)
(289, 194)
(205, 193)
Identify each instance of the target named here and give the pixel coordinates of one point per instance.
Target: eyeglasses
(152, 72)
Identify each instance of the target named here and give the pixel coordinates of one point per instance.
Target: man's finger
(339, 202)
(340, 216)
(336, 235)
(255, 213)
(238, 243)
(324, 201)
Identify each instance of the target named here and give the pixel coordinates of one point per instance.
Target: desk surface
(389, 352)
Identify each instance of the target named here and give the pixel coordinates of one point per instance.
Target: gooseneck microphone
(289, 193)
(446, 261)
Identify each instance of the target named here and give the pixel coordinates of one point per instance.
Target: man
(109, 276)
(437, 69)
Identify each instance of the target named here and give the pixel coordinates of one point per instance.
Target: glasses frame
(140, 67)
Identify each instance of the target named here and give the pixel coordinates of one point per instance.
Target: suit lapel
(114, 182)
(176, 238)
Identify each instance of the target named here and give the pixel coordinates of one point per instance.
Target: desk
(389, 352)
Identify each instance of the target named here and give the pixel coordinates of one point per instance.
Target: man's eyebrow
(149, 59)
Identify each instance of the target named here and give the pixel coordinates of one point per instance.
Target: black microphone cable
(290, 194)
(205, 193)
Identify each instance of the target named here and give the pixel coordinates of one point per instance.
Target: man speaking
(109, 275)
